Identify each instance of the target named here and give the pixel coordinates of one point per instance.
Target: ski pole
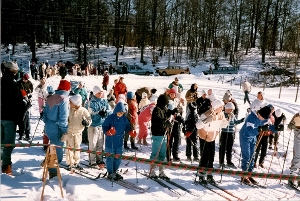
(275, 150)
(151, 167)
(285, 154)
(35, 131)
(135, 167)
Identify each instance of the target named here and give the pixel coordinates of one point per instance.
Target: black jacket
(158, 119)
(11, 98)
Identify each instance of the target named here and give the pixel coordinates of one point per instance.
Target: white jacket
(257, 104)
(246, 86)
(42, 91)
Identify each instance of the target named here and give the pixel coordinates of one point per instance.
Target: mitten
(102, 113)
(280, 127)
(188, 134)
(168, 124)
(242, 119)
(111, 131)
(85, 123)
(263, 128)
(132, 133)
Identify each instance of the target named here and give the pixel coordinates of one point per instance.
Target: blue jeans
(159, 142)
(247, 149)
(8, 135)
(54, 134)
(113, 164)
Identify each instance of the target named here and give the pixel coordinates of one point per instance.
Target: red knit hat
(26, 76)
(64, 85)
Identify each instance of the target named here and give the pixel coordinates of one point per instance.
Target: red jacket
(132, 113)
(105, 80)
(120, 88)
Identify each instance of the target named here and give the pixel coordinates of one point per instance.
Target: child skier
(114, 127)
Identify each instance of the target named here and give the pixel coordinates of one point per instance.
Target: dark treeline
(198, 25)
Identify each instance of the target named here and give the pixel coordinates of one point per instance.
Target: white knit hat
(216, 103)
(76, 100)
(203, 92)
(11, 65)
(278, 113)
(97, 89)
(144, 95)
(229, 105)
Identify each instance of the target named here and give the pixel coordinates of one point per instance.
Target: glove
(280, 127)
(263, 128)
(188, 134)
(179, 119)
(168, 124)
(85, 123)
(102, 113)
(174, 111)
(41, 115)
(242, 119)
(29, 96)
(132, 133)
(111, 131)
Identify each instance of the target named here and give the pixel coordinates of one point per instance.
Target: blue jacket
(57, 110)
(82, 92)
(250, 127)
(121, 125)
(94, 106)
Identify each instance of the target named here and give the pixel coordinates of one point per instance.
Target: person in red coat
(120, 88)
(105, 80)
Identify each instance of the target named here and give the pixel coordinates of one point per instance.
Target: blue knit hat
(50, 90)
(130, 95)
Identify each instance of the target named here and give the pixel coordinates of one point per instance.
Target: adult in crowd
(175, 84)
(203, 103)
(42, 69)
(228, 98)
(294, 125)
(55, 116)
(80, 89)
(111, 99)
(209, 125)
(24, 125)
(259, 102)
(33, 70)
(120, 88)
(99, 110)
(254, 124)
(191, 95)
(10, 112)
(278, 127)
(105, 81)
(139, 93)
(246, 87)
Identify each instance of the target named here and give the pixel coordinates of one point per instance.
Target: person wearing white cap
(79, 118)
(209, 125)
(99, 110)
(203, 103)
(276, 128)
(294, 125)
(227, 136)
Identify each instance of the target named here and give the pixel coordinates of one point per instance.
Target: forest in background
(195, 27)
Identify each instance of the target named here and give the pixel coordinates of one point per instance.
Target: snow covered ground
(26, 183)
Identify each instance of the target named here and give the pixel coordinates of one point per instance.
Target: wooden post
(51, 161)
(280, 88)
(297, 89)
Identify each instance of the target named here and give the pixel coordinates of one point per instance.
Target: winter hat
(278, 113)
(50, 90)
(11, 65)
(162, 100)
(216, 103)
(119, 107)
(97, 89)
(26, 76)
(144, 95)
(270, 106)
(130, 95)
(203, 92)
(64, 85)
(192, 106)
(229, 105)
(153, 91)
(172, 91)
(176, 79)
(121, 97)
(227, 97)
(265, 112)
(76, 100)
(81, 83)
(153, 98)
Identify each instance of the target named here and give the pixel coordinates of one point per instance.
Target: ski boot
(162, 174)
(202, 179)
(210, 179)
